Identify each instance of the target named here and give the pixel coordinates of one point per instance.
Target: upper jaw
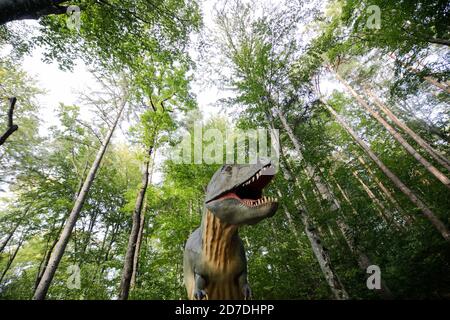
(249, 192)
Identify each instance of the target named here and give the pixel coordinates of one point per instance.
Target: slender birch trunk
(60, 246)
(127, 272)
(409, 219)
(327, 194)
(14, 229)
(429, 79)
(44, 262)
(321, 254)
(138, 246)
(381, 209)
(10, 235)
(437, 223)
(362, 259)
(432, 169)
(443, 161)
(12, 257)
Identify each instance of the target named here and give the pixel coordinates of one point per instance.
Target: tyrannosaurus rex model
(215, 266)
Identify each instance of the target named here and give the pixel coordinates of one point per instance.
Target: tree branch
(11, 126)
(443, 42)
(29, 9)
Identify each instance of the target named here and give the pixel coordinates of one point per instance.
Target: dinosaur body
(215, 264)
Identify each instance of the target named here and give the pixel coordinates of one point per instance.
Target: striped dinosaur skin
(218, 244)
(215, 265)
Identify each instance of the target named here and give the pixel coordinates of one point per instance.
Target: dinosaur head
(234, 194)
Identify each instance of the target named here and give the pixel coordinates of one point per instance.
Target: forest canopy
(92, 205)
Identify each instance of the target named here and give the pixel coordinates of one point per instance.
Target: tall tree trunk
(48, 251)
(60, 246)
(432, 169)
(12, 257)
(142, 227)
(309, 170)
(321, 254)
(114, 232)
(381, 209)
(289, 218)
(322, 257)
(29, 9)
(362, 259)
(429, 79)
(132, 240)
(437, 223)
(327, 194)
(10, 235)
(386, 192)
(14, 229)
(443, 161)
(138, 246)
(88, 235)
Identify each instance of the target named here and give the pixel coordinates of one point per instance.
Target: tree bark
(386, 192)
(11, 126)
(432, 169)
(10, 234)
(327, 194)
(29, 9)
(362, 259)
(437, 223)
(429, 79)
(11, 258)
(381, 209)
(138, 247)
(323, 258)
(321, 254)
(58, 251)
(127, 272)
(440, 41)
(432, 152)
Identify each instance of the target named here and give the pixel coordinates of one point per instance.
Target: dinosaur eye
(227, 168)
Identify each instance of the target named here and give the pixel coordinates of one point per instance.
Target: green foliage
(269, 69)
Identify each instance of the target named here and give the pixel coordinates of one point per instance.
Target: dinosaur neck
(218, 240)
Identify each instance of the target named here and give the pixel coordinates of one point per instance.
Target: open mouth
(249, 193)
